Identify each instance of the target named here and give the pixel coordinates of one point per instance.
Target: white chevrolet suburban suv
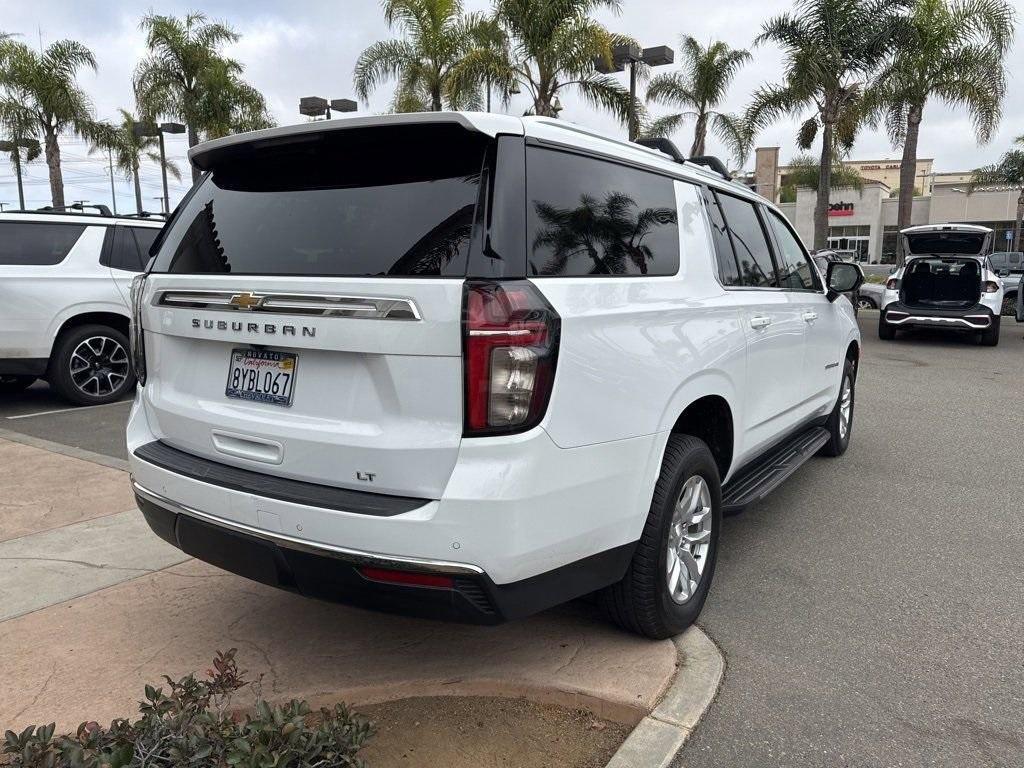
(64, 290)
(472, 366)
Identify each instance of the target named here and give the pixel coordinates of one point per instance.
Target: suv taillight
(991, 287)
(892, 284)
(135, 339)
(510, 346)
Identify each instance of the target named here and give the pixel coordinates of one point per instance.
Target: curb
(659, 736)
(64, 450)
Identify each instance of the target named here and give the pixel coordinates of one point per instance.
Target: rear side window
(750, 243)
(728, 269)
(36, 244)
(589, 217)
(386, 201)
(126, 251)
(144, 237)
(795, 270)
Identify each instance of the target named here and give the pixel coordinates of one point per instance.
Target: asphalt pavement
(871, 611)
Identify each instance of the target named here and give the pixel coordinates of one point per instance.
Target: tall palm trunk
(824, 187)
(53, 164)
(908, 167)
(700, 134)
(138, 190)
(193, 139)
(1017, 224)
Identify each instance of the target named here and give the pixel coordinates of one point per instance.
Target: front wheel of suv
(668, 579)
(990, 336)
(840, 421)
(90, 365)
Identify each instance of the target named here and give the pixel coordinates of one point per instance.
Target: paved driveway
(871, 611)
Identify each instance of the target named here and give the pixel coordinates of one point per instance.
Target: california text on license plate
(262, 376)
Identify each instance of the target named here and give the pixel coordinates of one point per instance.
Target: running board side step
(767, 473)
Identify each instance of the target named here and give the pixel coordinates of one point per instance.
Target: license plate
(261, 376)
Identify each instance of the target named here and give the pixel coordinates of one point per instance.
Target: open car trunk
(941, 283)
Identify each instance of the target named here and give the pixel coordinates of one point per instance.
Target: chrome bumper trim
(984, 321)
(354, 556)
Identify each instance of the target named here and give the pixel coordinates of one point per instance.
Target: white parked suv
(946, 281)
(64, 285)
(473, 366)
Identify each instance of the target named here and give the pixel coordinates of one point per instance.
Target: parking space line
(65, 410)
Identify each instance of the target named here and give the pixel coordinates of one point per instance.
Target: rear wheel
(90, 365)
(863, 302)
(990, 336)
(1009, 305)
(12, 385)
(840, 421)
(886, 332)
(668, 579)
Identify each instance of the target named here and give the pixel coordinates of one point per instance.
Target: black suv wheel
(90, 365)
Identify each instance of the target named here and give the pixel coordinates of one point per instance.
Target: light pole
(314, 106)
(623, 55)
(144, 128)
(14, 146)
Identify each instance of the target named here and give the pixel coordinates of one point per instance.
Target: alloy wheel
(865, 304)
(99, 366)
(689, 539)
(845, 407)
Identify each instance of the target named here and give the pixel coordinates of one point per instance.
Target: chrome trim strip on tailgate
(354, 556)
(318, 305)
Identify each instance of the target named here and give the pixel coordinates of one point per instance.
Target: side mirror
(843, 277)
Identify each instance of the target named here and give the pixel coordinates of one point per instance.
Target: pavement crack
(38, 695)
(97, 566)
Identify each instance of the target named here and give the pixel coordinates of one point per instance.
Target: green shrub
(194, 725)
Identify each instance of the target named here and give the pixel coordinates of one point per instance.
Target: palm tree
(699, 89)
(436, 34)
(43, 89)
(803, 171)
(186, 77)
(552, 46)
(832, 48)
(128, 151)
(1008, 171)
(953, 51)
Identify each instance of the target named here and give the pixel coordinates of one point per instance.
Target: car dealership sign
(840, 209)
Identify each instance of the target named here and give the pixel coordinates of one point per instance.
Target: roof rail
(666, 146)
(103, 210)
(145, 215)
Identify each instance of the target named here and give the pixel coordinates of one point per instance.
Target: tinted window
(947, 242)
(30, 243)
(124, 251)
(795, 270)
(748, 239)
(375, 202)
(144, 237)
(591, 217)
(728, 270)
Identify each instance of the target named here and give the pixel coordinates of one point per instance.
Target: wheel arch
(116, 320)
(710, 418)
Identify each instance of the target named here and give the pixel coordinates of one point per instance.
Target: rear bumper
(461, 592)
(976, 318)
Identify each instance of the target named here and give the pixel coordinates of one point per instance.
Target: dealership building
(864, 220)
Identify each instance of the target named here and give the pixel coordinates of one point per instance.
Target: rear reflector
(409, 578)
(991, 287)
(892, 284)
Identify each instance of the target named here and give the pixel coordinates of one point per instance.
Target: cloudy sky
(309, 48)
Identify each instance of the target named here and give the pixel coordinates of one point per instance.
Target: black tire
(886, 332)
(60, 375)
(990, 336)
(641, 602)
(838, 438)
(867, 303)
(12, 385)
(1009, 307)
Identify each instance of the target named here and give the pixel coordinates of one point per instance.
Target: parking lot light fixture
(149, 128)
(629, 54)
(315, 106)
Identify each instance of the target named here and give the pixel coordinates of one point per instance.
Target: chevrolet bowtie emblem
(246, 300)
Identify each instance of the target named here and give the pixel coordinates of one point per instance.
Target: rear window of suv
(29, 243)
(344, 203)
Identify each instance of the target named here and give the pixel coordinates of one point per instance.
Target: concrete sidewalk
(92, 612)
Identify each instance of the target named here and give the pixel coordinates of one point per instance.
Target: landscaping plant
(193, 724)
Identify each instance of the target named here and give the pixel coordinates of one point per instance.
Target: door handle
(760, 322)
(810, 317)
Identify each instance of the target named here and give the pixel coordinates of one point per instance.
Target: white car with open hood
(946, 281)
(472, 366)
